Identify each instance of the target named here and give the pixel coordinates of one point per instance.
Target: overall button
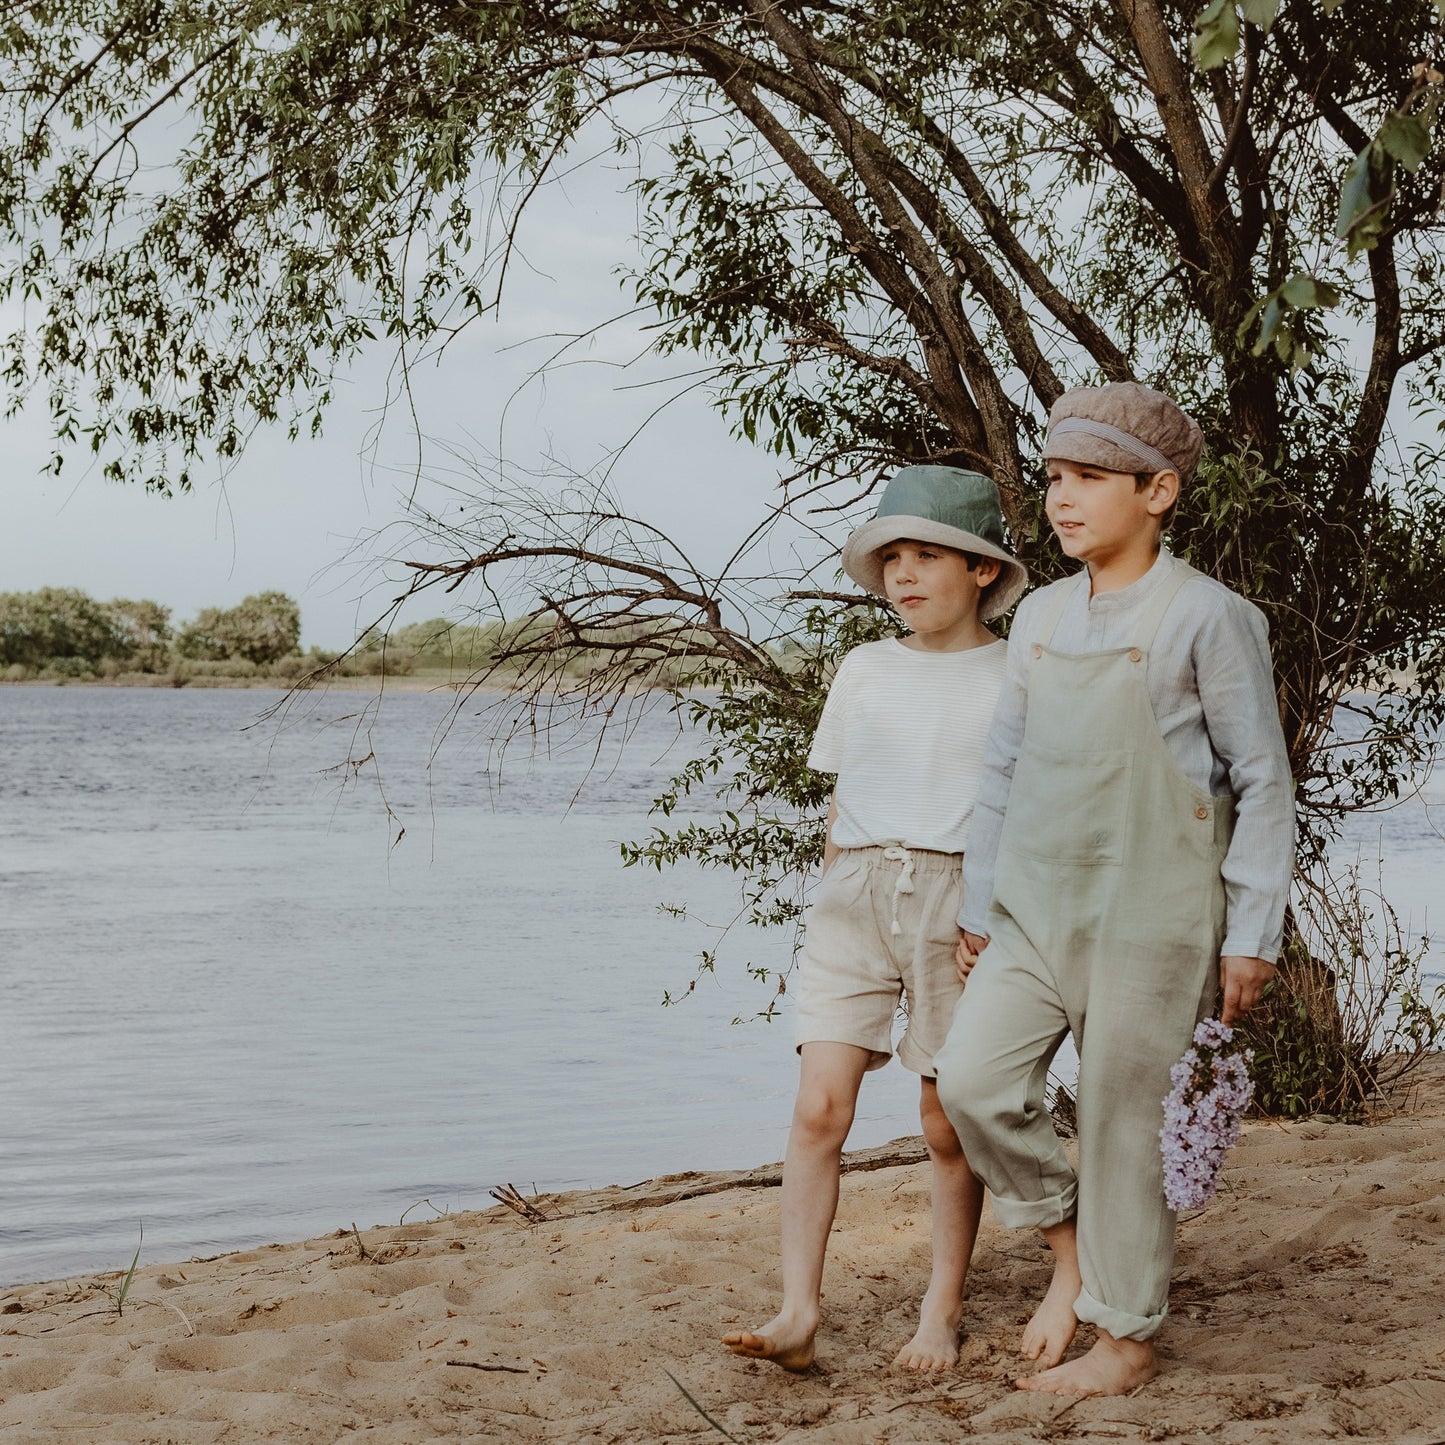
(1038, 649)
(1201, 812)
(1135, 655)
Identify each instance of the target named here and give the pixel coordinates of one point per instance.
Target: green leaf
(1407, 138)
(1301, 292)
(1304, 291)
(1260, 12)
(1247, 325)
(1269, 327)
(1218, 35)
(1364, 199)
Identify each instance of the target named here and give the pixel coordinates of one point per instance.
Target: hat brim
(1084, 450)
(862, 563)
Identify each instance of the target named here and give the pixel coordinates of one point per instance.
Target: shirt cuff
(972, 923)
(1249, 948)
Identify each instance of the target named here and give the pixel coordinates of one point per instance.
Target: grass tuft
(124, 1289)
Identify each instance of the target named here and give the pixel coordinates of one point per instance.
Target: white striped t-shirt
(905, 732)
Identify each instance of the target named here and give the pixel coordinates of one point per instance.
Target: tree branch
(1240, 123)
(1063, 308)
(952, 403)
(961, 349)
(1385, 362)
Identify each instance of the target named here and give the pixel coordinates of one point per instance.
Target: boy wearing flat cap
(904, 728)
(1131, 853)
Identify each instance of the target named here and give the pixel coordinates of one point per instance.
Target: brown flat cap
(1123, 427)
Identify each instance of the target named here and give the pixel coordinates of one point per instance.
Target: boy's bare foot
(935, 1344)
(1112, 1367)
(1051, 1331)
(783, 1340)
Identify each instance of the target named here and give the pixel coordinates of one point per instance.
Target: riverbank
(393, 682)
(1305, 1307)
(338, 682)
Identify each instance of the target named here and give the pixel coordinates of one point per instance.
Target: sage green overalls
(1107, 919)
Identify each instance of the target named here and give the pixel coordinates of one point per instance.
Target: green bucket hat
(949, 507)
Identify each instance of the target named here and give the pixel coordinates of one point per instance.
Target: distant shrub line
(61, 634)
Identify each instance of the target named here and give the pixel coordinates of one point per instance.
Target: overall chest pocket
(1068, 807)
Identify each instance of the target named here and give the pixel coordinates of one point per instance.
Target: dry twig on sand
(508, 1194)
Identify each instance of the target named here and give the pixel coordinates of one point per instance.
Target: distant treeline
(61, 633)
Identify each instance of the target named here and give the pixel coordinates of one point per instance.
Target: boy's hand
(1243, 980)
(966, 952)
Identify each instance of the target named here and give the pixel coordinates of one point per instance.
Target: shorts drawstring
(897, 853)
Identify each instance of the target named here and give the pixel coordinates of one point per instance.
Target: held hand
(1243, 980)
(966, 952)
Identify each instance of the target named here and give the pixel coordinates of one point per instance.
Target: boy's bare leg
(823, 1114)
(957, 1203)
(1051, 1330)
(1112, 1367)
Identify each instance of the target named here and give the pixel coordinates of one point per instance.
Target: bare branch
(1240, 123)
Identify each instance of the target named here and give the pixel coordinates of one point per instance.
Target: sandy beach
(1306, 1305)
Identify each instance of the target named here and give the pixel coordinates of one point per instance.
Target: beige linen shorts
(854, 968)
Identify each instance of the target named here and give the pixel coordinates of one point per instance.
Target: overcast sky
(288, 514)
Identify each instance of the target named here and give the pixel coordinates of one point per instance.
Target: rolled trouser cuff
(1036, 1213)
(1119, 1323)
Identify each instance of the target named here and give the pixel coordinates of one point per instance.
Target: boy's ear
(1163, 492)
(987, 571)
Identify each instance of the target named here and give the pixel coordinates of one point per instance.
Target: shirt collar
(1126, 597)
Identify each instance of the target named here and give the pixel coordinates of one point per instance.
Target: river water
(234, 1008)
(229, 1007)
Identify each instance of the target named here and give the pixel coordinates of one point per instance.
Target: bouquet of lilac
(1212, 1089)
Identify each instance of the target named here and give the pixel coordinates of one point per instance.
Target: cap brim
(862, 563)
(1085, 450)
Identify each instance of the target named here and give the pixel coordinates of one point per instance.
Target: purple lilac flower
(1212, 1089)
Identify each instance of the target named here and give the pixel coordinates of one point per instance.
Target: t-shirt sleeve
(826, 753)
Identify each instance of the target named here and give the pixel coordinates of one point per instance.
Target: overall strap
(1058, 604)
(1169, 589)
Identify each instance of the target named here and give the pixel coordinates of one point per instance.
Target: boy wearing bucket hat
(1132, 852)
(904, 728)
